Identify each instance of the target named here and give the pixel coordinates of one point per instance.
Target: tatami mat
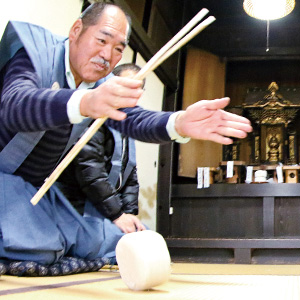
(188, 281)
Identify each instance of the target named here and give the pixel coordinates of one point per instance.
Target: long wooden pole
(173, 45)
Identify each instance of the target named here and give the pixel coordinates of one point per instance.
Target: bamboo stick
(182, 42)
(197, 18)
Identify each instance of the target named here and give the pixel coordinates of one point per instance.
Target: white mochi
(143, 259)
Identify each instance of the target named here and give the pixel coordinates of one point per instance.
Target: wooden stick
(181, 43)
(198, 17)
(172, 45)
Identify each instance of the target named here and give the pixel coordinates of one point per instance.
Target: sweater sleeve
(143, 125)
(24, 105)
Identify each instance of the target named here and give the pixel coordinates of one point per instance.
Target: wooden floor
(188, 281)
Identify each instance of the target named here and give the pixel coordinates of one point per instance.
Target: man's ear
(75, 30)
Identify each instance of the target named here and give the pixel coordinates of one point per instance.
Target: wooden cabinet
(237, 223)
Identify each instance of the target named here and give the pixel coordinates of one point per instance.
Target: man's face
(95, 52)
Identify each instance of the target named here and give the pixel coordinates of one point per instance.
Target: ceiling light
(268, 9)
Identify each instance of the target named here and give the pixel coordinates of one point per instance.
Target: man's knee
(46, 257)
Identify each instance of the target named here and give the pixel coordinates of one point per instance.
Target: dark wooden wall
(242, 75)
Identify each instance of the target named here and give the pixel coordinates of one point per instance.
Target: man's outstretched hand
(206, 120)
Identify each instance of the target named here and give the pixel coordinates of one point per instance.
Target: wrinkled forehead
(114, 19)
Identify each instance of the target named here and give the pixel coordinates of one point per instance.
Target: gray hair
(91, 15)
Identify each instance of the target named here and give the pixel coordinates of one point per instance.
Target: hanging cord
(268, 35)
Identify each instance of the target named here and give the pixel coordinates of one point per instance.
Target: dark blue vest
(47, 54)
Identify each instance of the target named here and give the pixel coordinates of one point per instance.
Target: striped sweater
(26, 107)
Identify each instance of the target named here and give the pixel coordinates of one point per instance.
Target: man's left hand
(207, 120)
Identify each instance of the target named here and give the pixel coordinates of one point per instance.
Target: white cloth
(172, 131)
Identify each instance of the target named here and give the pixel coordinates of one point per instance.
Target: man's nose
(106, 52)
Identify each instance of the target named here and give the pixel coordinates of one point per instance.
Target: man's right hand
(129, 223)
(104, 101)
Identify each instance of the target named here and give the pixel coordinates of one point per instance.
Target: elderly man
(50, 87)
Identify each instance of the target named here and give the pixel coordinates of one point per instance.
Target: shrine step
(239, 251)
